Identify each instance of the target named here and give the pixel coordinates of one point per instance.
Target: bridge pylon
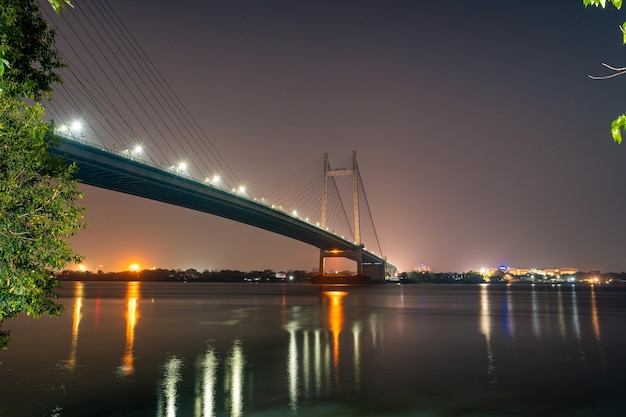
(364, 273)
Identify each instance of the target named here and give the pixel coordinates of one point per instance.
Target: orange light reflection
(132, 315)
(78, 304)
(335, 324)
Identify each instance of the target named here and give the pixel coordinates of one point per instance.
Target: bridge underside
(109, 170)
(367, 272)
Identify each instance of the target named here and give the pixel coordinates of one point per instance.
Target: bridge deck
(105, 169)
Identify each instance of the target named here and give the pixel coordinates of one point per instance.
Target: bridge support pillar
(362, 276)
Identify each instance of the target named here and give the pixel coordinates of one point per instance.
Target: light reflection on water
(235, 350)
(132, 315)
(78, 304)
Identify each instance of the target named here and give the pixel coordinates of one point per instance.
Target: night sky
(480, 138)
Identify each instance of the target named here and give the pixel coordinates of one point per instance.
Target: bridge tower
(356, 254)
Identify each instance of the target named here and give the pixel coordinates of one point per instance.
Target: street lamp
(75, 129)
(135, 152)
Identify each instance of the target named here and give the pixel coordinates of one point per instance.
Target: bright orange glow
(78, 304)
(134, 267)
(132, 315)
(335, 324)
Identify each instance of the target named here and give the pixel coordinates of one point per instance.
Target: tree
(38, 193)
(620, 122)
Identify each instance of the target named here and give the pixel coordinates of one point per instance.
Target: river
(208, 349)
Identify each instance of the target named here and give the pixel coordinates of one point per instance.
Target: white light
(294, 213)
(76, 125)
(138, 149)
(216, 179)
(63, 128)
(182, 166)
(242, 189)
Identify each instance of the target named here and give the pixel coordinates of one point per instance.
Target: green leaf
(58, 5)
(586, 2)
(617, 4)
(616, 128)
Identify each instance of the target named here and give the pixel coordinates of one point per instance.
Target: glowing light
(82, 268)
(237, 361)
(208, 369)
(335, 324)
(216, 179)
(242, 189)
(134, 267)
(171, 379)
(138, 149)
(78, 292)
(76, 125)
(294, 213)
(292, 366)
(182, 166)
(132, 315)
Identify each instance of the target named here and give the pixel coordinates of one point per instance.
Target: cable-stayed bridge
(134, 128)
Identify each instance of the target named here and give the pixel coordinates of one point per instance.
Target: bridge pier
(366, 273)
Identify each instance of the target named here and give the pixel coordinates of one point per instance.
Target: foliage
(38, 194)
(29, 60)
(37, 211)
(620, 122)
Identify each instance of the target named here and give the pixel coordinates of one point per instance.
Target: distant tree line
(189, 275)
(441, 277)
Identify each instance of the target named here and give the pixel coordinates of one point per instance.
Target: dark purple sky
(480, 138)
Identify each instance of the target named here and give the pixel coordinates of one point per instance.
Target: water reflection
(78, 305)
(314, 353)
(575, 313)
(132, 315)
(166, 406)
(335, 323)
(299, 354)
(206, 383)
(236, 376)
(207, 378)
(292, 366)
(508, 313)
(594, 314)
(485, 328)
(559, 303)
(596, 325)
(535, 312)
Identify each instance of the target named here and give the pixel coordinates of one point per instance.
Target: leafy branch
(619, 123)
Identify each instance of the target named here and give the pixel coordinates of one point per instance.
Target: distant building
(422, 268)
(547, 272)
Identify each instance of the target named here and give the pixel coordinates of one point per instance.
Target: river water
(205, 349)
